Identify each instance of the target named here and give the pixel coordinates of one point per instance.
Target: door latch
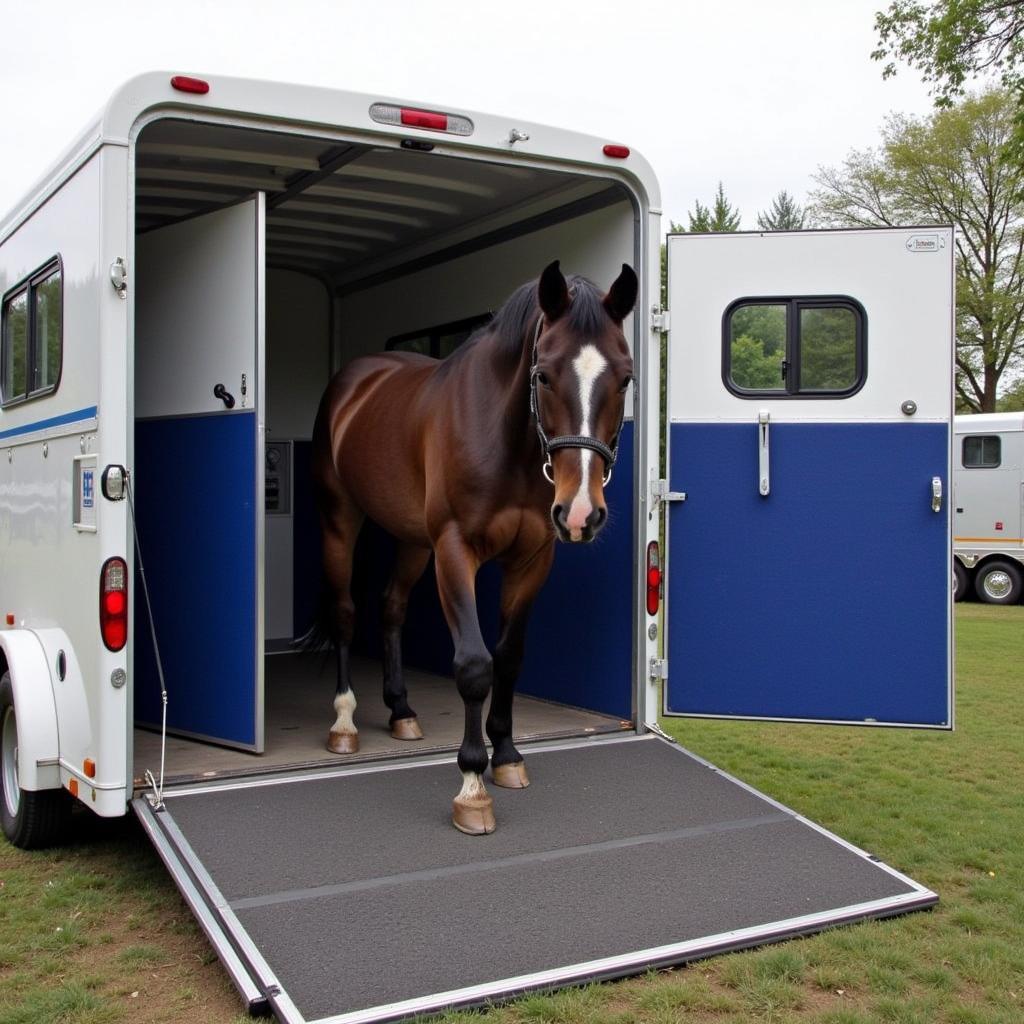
(936, 494)
(661, 493)
(764, 484)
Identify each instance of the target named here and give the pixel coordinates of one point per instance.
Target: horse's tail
(322, 633)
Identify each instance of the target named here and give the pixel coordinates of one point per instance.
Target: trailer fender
(38, 744)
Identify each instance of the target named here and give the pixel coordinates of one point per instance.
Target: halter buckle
(549, 471)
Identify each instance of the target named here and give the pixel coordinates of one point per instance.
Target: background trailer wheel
(30, 819)
(999, 583)
(960, 580)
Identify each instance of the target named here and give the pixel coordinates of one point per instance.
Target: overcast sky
(755, 94)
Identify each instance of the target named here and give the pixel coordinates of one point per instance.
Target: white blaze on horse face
(344, 706)
(589, 365)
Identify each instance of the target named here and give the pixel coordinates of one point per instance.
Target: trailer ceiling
(341, 210)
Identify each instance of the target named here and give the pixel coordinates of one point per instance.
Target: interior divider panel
(365, 904)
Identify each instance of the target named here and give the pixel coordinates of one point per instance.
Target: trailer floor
(348, 896)
(299, 712)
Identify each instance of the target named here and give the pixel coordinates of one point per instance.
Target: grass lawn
(96, 933)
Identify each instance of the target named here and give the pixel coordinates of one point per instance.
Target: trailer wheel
(30, 819)
(959, 580)
(999, 583)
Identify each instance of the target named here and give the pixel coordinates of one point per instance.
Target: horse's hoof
(474, 815)
(406, 729)
(343, 742)
(511, 776)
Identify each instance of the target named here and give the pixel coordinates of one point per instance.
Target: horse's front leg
(519, 587)
(456, 566)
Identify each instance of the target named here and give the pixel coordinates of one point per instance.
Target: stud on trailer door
(809, 397)
(198, 472)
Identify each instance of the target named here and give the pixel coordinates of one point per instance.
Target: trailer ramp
(346, 896)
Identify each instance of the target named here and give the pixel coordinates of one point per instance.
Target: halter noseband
(548, 445)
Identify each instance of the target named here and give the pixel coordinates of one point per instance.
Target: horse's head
(582, 369)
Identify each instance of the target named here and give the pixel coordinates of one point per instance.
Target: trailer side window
(807, 347)
(438, 341)
(982, 452)
(31, 344)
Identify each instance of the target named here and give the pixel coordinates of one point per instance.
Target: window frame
(790, 389)
(998, 438)
(28, 286)
(435, 333)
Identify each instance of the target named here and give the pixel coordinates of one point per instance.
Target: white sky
(757, 93)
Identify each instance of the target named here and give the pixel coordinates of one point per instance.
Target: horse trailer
(988, 496)
(176, 293)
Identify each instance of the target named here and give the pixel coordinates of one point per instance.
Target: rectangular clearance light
(432, 120)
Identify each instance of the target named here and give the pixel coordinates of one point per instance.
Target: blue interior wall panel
(194, 494)
(825, 599)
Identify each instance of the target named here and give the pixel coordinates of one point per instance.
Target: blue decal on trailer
(194, 499)
(827, 599)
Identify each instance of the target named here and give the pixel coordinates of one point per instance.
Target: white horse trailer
(988, 495)
(176, 293)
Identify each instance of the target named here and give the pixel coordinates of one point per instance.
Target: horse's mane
(507, 329)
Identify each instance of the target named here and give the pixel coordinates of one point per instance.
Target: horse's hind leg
(340, 530)
(409, 565)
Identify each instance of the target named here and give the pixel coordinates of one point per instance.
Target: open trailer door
(810, 392)
(198, 473)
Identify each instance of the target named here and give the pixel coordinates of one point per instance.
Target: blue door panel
(194, 500)
(827, 599)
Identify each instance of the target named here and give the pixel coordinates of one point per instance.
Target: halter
(548, 445)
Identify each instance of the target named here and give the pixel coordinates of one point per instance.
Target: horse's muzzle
(579, 535)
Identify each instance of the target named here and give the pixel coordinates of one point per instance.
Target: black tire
(961, 583)
(31, 820)
(999, 583)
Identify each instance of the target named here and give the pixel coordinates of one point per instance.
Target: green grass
(83, 928)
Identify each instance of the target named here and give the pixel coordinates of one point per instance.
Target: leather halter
(548, 445)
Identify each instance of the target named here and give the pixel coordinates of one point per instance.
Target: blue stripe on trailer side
(53, 421)
(827, 599)
(194, 494)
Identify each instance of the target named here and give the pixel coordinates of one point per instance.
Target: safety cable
(156, 799)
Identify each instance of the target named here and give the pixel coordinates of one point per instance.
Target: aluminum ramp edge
(254, 998)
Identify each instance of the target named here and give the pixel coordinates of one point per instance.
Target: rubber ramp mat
(349, 896)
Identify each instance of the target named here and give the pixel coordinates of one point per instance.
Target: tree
(952, 41)
(784, 214)
(720, 217)
(947, 169)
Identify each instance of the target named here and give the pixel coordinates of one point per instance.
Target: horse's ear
(621, 297)
(552, 292)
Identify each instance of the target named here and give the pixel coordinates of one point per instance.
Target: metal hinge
(658, 668)
(119, 277)
(658, 731)
(661, 493)
(659, 319)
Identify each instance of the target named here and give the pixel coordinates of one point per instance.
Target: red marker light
(185, 84)
(411, 117)
(653, 578)
(619, 152)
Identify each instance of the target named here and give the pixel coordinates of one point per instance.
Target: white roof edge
(989, 421)
(319, 107)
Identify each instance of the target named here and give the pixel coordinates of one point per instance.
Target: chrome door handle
(763, 467)
(936, 494)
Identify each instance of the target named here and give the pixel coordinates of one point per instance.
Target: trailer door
(809, 395)
(198, 472)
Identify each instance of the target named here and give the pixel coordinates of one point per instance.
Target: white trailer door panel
(809, 396)
(198, 473)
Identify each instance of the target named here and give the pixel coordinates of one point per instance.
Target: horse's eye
(543, 379)
(626, 383)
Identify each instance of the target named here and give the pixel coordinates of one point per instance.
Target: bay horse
(457, 458)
